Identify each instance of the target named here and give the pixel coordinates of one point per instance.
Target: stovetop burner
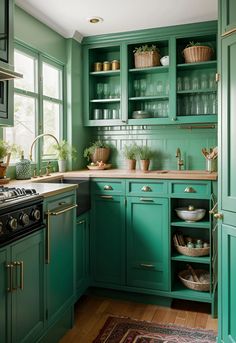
(11, 194)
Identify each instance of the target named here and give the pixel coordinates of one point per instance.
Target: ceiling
(69, 18)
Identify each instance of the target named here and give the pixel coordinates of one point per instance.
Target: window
(38, 103)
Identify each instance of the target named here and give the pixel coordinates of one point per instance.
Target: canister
(97, 66)
(106, 66)
(115, 65)
(23, 168)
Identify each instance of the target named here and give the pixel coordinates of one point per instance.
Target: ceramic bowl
(165, 60)
(141, 114)
(190, 215)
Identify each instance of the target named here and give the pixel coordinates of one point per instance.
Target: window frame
(41, 58)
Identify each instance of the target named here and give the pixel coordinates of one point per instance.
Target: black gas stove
(21, 213)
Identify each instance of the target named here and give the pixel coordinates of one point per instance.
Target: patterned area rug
(125, 330)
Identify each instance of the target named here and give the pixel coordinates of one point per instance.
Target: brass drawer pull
(146, 189)
(227, 33)
(108, 188)
(21, 265)
(66, 209)
(106, 196)
(145, 265)
(146, 199)
(10, 277)
(218, 215)
(189, 190)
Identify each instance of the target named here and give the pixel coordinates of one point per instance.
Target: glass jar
(106, 66)
(115, 65)
(97, 66)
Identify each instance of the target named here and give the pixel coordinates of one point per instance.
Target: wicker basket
(192, 251)
(100, 154)
(199, 53)
(146, 59)
(196, 286)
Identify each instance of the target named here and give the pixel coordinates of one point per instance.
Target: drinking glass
(106, 90)
(198, 105)
(159, 87)
(186, 83)
(99, 90)
(204, 81)
(195, 83)
(160, 110)
(136, 88)
(205, 104)
(179, 83)
(166, 109)
(212, 103)
(212, 81)
(186, 106)
(143, 87)
(117, 91)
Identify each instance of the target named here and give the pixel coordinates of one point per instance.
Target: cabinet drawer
(108, 186)
(146, 187)
(190, 189)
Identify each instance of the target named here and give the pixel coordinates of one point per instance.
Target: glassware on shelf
(106, 113)
(97, 114)
(192, 105)
(205, 103)
(150, 88)
(212, 81)
(186, 110)
(159, 87)
(165, 109)
(167, 87)
(137, 88)
(115, 114)
(195, 83)
(155, 110)
(99, 90)
(143, 87)
(198, 105)
(106, 90)
(117, 91)
(179, 84)
(160, 110)
(212, 103)
(204, 81)
(186, 83)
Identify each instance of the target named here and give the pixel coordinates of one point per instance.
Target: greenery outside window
(38, 103)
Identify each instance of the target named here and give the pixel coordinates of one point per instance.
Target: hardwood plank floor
(91, 313)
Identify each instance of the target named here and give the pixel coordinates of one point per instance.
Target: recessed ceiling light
(95, 20)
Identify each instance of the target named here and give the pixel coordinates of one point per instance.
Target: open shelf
(159, 69)
(196, 91)
(105, 73)
(181, 292)
(184, 258)
(105, 100)
(155, 97)
(182, 223)
(199, 65)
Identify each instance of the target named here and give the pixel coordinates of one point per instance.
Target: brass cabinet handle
(214, 209)
(10, 267)
(229, 32)
(146, 189)
(189, 190)
(146, 199)
(218, 215)
(106, 196)
(65, 209)
(107, 188)
(21, 265)
(145, 265)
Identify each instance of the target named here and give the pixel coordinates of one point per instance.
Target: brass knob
(146, 189)
(189, 190)
(218, 215)
(107, 188)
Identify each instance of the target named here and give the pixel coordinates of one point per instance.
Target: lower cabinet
(147, 243)
(228, 283)
(22, 289)
(82, 254)
(60, 247)
(108, 239)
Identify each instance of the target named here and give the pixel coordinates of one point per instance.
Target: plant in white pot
(64, 150)
(97, 152)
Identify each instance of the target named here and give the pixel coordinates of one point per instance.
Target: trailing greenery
(192, 43)
(7, 148)
(91, 150)
(145, 153)
(65, 150)
(130, 152)
(145, 48)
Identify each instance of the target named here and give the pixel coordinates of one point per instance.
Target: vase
(144, 165)
(23, 169)
(131, 164)
(62, 164)
(100, 154)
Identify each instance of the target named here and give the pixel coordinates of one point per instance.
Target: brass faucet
(180, 162)
(31, 149)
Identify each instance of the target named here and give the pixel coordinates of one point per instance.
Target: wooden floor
(91, 313)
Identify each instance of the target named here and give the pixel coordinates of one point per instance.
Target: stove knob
(35, 214)
(1, 228)
(24, 219)
(12, 223)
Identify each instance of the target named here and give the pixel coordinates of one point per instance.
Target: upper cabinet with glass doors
(120, 88)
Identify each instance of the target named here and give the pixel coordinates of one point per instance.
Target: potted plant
(64, 150)
(97, 152)
(130, 153)
(6, 150)
(146, 56)
(145, 154)
(197, 52)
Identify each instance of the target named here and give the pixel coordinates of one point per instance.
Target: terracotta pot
(131, 164)
(101, 154)
(3, 170)
(144, 165)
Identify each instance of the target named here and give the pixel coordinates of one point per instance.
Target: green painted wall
(164, 141)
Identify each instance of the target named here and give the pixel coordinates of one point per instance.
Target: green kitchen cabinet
(22, 289)
(60, 252)
(180, 93)
(148, 243)
(82, 254)
(108, 240)
(227, 168)
(227, 18)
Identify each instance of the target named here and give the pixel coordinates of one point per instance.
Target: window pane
(25, 65)
(23, 132)
(51, 124)
(51, 81)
